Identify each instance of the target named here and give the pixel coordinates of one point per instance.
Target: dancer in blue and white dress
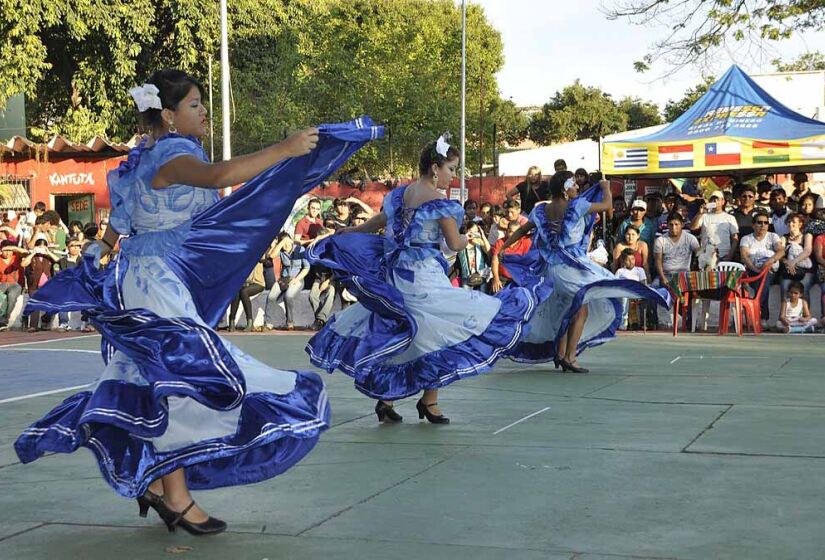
(580, 301)
(412, 330)
(177, 407)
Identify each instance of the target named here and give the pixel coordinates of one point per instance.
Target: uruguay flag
(676, 156)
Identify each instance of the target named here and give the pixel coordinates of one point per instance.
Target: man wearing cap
(717, 227)
(647, 229)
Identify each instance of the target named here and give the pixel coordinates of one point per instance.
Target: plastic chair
(744, 303)
(677, 305)
(723, 266)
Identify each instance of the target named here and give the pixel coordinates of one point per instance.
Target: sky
(548, 44)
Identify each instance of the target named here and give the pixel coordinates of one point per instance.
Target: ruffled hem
(274, 432)
(381, 380)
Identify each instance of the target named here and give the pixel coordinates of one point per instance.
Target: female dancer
(178, 407)
(412, 331)
(581, 303)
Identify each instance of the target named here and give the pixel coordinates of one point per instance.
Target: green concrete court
(693, 448)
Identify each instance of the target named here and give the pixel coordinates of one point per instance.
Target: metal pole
(211, 116)
(225, 116)
(481, 141)
(463, 92)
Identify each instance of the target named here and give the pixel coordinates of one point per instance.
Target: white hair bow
(146, 97)
(441, 146)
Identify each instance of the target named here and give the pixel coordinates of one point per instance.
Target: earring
(435, 179)
(172, 129)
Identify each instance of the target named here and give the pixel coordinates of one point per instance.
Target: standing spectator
(629, 271)
(807, 206)
(342, 211)
(499, 227)
(670, 206)
(307, 228)
(654, 207)
(472, 260)
(513, 210)
(500, 275)
(801, 188)
(762, 249)
(797, 265)
(763, 195)
(39, 265)
(718, 228)
(620, 213)
(71, 260)
(795, 315)
(779, 211)
(640, 249)
(819, 257)
(101, 230)
(58, 231)
(485, 212)
(294, 268)
(253, 286)
(471, 212)
(322, 296)
(11, 278)
(359, 216)
(673, 252)
(744, 213)
(646, 227)
(559, 165)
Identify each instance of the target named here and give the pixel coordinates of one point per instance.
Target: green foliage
(293, 63)
(674, 109)
(805, 62)
(640, 113)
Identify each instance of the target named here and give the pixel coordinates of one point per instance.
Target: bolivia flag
(676, 156)
(723, 153)
(770, 152)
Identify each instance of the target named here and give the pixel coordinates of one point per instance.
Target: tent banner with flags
(735, 126)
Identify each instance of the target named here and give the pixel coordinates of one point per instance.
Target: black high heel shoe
(211, 526)
(385, 411)
(567, 366)
(556, 361)
(151, 500)
(432, 418)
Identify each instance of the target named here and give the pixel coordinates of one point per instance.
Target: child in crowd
(795, 316)
(629, 271)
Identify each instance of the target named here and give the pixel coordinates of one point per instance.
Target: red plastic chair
(744, 303)
(678, 307)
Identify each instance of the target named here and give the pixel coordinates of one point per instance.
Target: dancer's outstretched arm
(374, 224)
(189, 170)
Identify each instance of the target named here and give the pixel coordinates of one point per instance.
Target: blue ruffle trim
(380, 380)
(274, 432)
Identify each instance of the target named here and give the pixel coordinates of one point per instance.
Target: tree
(675, 109)
(805, 62)
(698, 29)
(640, 113)
(575, 113)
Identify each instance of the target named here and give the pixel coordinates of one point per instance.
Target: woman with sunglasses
(759, 250)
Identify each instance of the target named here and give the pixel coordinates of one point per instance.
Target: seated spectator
(472, 260)
(797, 266)
(359, 216)
(759, 250)
(779, 212)
(500, 224)
(39, 266)
(253, 286)
(342, 211)
(673, 252)
(530, 191)
(485, 212)
(294, 268)
(11, 278)
(322, 296)
(513, 210)
(807, 206)
(630, 271)
(718, 228)
(646, 227)
(746, 210)
(632, 242)
(499, 272)
(307, 228)
(795, 315)
(71, 260)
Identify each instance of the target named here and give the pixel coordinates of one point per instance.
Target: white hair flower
(146, 97)
(441, 145)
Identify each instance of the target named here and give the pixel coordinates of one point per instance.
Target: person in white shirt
(761, 249)
(629, 271)
(717, 227)
(672, 252)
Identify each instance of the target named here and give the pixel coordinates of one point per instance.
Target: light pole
(225, 117)
(463, 93)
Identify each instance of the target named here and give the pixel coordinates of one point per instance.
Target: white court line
(508, 426)
(47, 341)
(676, 359)
(44, 393)
(54, 350)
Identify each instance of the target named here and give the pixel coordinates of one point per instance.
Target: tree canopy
(293, 63)
(675, 109)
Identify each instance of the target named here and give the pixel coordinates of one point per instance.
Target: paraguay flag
(723, 153)
(676, 156)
